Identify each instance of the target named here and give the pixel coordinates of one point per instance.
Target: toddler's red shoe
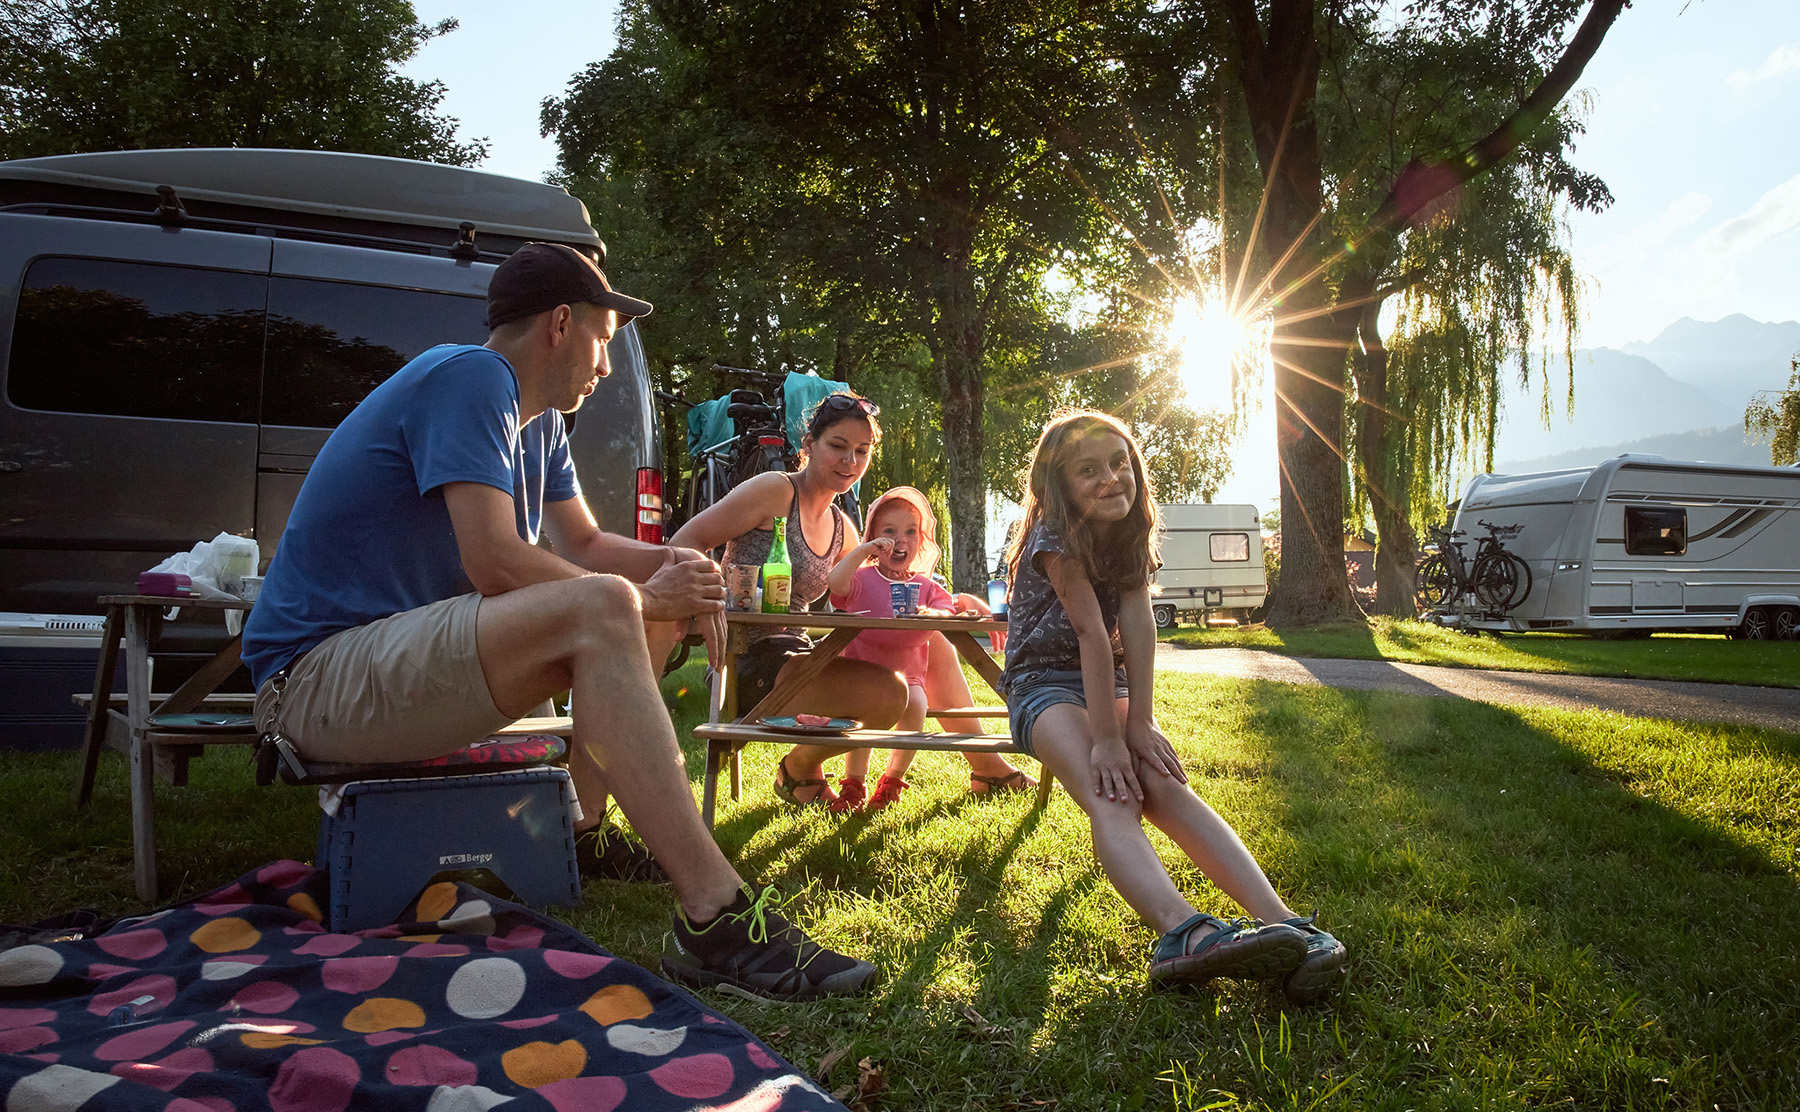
(851, 795)
(887, 790)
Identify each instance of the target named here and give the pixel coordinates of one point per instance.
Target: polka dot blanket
(241, 1000)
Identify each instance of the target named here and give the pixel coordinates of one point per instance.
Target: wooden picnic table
(154, 737)
(160, 732)
(727, 730)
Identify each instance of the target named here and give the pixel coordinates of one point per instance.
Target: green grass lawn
(1542, 908)
(1710, 658)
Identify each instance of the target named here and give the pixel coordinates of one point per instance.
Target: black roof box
(326, 191)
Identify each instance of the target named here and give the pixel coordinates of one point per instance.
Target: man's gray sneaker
(751, 948)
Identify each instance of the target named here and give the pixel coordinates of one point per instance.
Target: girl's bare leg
(913, 718)
(1060, 737)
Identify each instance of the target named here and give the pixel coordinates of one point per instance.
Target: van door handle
(11, 465)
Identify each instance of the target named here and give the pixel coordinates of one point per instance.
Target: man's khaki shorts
(404, 688)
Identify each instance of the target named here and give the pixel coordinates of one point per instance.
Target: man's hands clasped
(689, 585)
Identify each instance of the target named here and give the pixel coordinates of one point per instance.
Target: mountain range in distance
(1681, 395)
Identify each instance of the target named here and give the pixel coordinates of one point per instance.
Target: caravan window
(1655, 532)
(1229, 548)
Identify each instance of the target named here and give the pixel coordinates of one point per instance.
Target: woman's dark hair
(841, 406)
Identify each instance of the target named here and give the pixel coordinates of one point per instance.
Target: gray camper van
(181, 329)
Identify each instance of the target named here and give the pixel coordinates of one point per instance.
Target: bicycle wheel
(1433, 583)
(1502, 580)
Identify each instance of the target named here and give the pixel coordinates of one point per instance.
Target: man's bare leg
(587, 636)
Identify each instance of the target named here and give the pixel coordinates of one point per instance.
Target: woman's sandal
(1014, 781)
(786, 786)
(1243, 948)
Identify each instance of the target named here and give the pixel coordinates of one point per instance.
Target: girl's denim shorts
(1045, 691)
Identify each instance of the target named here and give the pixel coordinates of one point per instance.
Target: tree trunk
(1309, 437)
(1383, 474)
(961, 344)
(1279, 76)
(1310, 346)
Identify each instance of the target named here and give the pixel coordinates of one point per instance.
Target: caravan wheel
(1165, 616)
(1787, 624)
(1756, 625)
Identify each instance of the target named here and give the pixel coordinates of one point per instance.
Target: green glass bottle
(777, 573)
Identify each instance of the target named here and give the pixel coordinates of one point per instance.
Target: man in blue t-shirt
(410, 612)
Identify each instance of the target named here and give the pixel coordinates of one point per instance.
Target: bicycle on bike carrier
(1491, 583)
(758, 442)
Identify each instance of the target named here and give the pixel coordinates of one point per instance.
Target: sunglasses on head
(848, 402)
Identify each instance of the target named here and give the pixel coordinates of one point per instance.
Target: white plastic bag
(217, 569)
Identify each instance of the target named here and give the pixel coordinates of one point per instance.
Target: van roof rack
(365, 196)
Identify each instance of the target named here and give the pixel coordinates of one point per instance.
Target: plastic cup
(740, 587)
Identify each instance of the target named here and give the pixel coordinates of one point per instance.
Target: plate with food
(817, 725)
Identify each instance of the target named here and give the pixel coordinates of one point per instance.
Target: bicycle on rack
(757, 443)
(1495, 579)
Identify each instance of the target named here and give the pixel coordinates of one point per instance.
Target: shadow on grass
(852, 857)
(1548, 909)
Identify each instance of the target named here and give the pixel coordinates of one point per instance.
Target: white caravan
(1645, 543)
(1212, 560)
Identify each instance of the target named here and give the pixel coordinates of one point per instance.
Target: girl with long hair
(1079, 680)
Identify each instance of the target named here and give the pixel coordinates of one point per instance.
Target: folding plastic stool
(386, 838)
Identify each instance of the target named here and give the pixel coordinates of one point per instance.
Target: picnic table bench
(728, 730)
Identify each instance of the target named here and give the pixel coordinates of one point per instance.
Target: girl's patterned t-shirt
(1039, 638)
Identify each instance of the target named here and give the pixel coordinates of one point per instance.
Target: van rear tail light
(649, 505)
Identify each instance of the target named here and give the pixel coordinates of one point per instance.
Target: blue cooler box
(44, 659)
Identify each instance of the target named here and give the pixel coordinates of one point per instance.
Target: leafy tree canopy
(1776, 416)
(1367, 123)
(849, 185)
(87, 75)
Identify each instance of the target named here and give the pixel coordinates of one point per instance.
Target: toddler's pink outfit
(903, 650)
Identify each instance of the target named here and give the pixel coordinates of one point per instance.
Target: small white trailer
(1642, 543)
(1212, 560)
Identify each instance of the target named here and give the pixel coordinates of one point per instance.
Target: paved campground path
(1776, 708)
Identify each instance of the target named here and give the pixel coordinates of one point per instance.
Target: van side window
(149, 341)
(1661, 531)
(1228, 548)
(330, 343)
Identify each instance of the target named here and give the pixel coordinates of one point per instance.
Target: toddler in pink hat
(899, 546)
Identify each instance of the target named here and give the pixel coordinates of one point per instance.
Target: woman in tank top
(840, 435)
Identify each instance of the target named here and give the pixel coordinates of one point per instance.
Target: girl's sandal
(1014, 781)
(1243, 948)
(1323, 970)
(786, 787)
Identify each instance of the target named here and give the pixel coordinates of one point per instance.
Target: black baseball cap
(540, 276)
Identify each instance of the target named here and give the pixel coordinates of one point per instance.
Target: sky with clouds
(1694, 111)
